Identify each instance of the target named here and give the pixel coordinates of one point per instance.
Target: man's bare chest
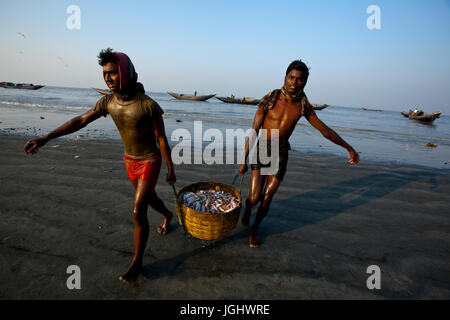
(285, 112)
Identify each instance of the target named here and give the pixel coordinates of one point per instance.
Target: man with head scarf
(139, 121)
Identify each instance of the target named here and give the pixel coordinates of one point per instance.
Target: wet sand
(71, 203)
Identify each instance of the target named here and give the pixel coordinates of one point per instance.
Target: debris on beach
(212, 201)
(42, 117)
(77, 156)
(431, 145)
(178, 120)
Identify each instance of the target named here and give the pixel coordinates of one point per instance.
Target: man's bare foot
(246, 216)
(164, 226)
(132, 273)
(253, 240)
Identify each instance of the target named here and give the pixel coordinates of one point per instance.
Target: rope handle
(177, 204)
(242, 180)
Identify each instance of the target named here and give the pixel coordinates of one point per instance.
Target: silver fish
(213, 201)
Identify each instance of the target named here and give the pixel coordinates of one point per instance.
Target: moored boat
(12, 85)
(192, 98)
(368, 109)
(321, 107)
(421, 116)
(102, 91)
(245, 100)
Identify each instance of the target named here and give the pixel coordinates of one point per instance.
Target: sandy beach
(71, 203)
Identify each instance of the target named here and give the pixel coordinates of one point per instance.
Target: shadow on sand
(315, 206)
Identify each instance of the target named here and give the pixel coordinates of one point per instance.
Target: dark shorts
(283, 159)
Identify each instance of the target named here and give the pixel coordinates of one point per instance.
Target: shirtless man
(280, 109)
(140, 124)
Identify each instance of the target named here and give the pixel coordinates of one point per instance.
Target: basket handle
(242, 180)
(177, 204)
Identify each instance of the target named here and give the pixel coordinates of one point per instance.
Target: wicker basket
(205, 225)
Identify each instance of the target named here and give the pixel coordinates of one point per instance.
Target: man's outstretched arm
(70, 126)
(331, 135)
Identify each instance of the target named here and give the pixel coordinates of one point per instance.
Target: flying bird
(20, 33)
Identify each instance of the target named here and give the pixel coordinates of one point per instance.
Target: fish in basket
(209, 210)
(213, 200)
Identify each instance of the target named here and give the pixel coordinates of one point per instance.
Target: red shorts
(143, 169)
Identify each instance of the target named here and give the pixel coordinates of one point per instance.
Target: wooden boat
(28, 86)
(316, 107)
(245, 100)
(253, 101)
(368, 109)
(102, 91)
(421, 116)
(192, 98)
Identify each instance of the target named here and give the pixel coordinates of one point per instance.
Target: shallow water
(377, 136)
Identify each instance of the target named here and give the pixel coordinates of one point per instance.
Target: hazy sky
(240, 47)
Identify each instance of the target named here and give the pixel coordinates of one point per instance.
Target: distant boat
(192, 98)
(102, 91)
(245, 100)
(421, 116)
(316, 107)
(368, 109)
(28, 86)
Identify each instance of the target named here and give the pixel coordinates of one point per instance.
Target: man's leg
(271, 187)
(141, 228)
(158, 205)
(254, 194)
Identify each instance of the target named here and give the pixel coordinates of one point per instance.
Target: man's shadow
(315, 206)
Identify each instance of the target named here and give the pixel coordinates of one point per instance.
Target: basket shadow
(169, 267)
(310, 208)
